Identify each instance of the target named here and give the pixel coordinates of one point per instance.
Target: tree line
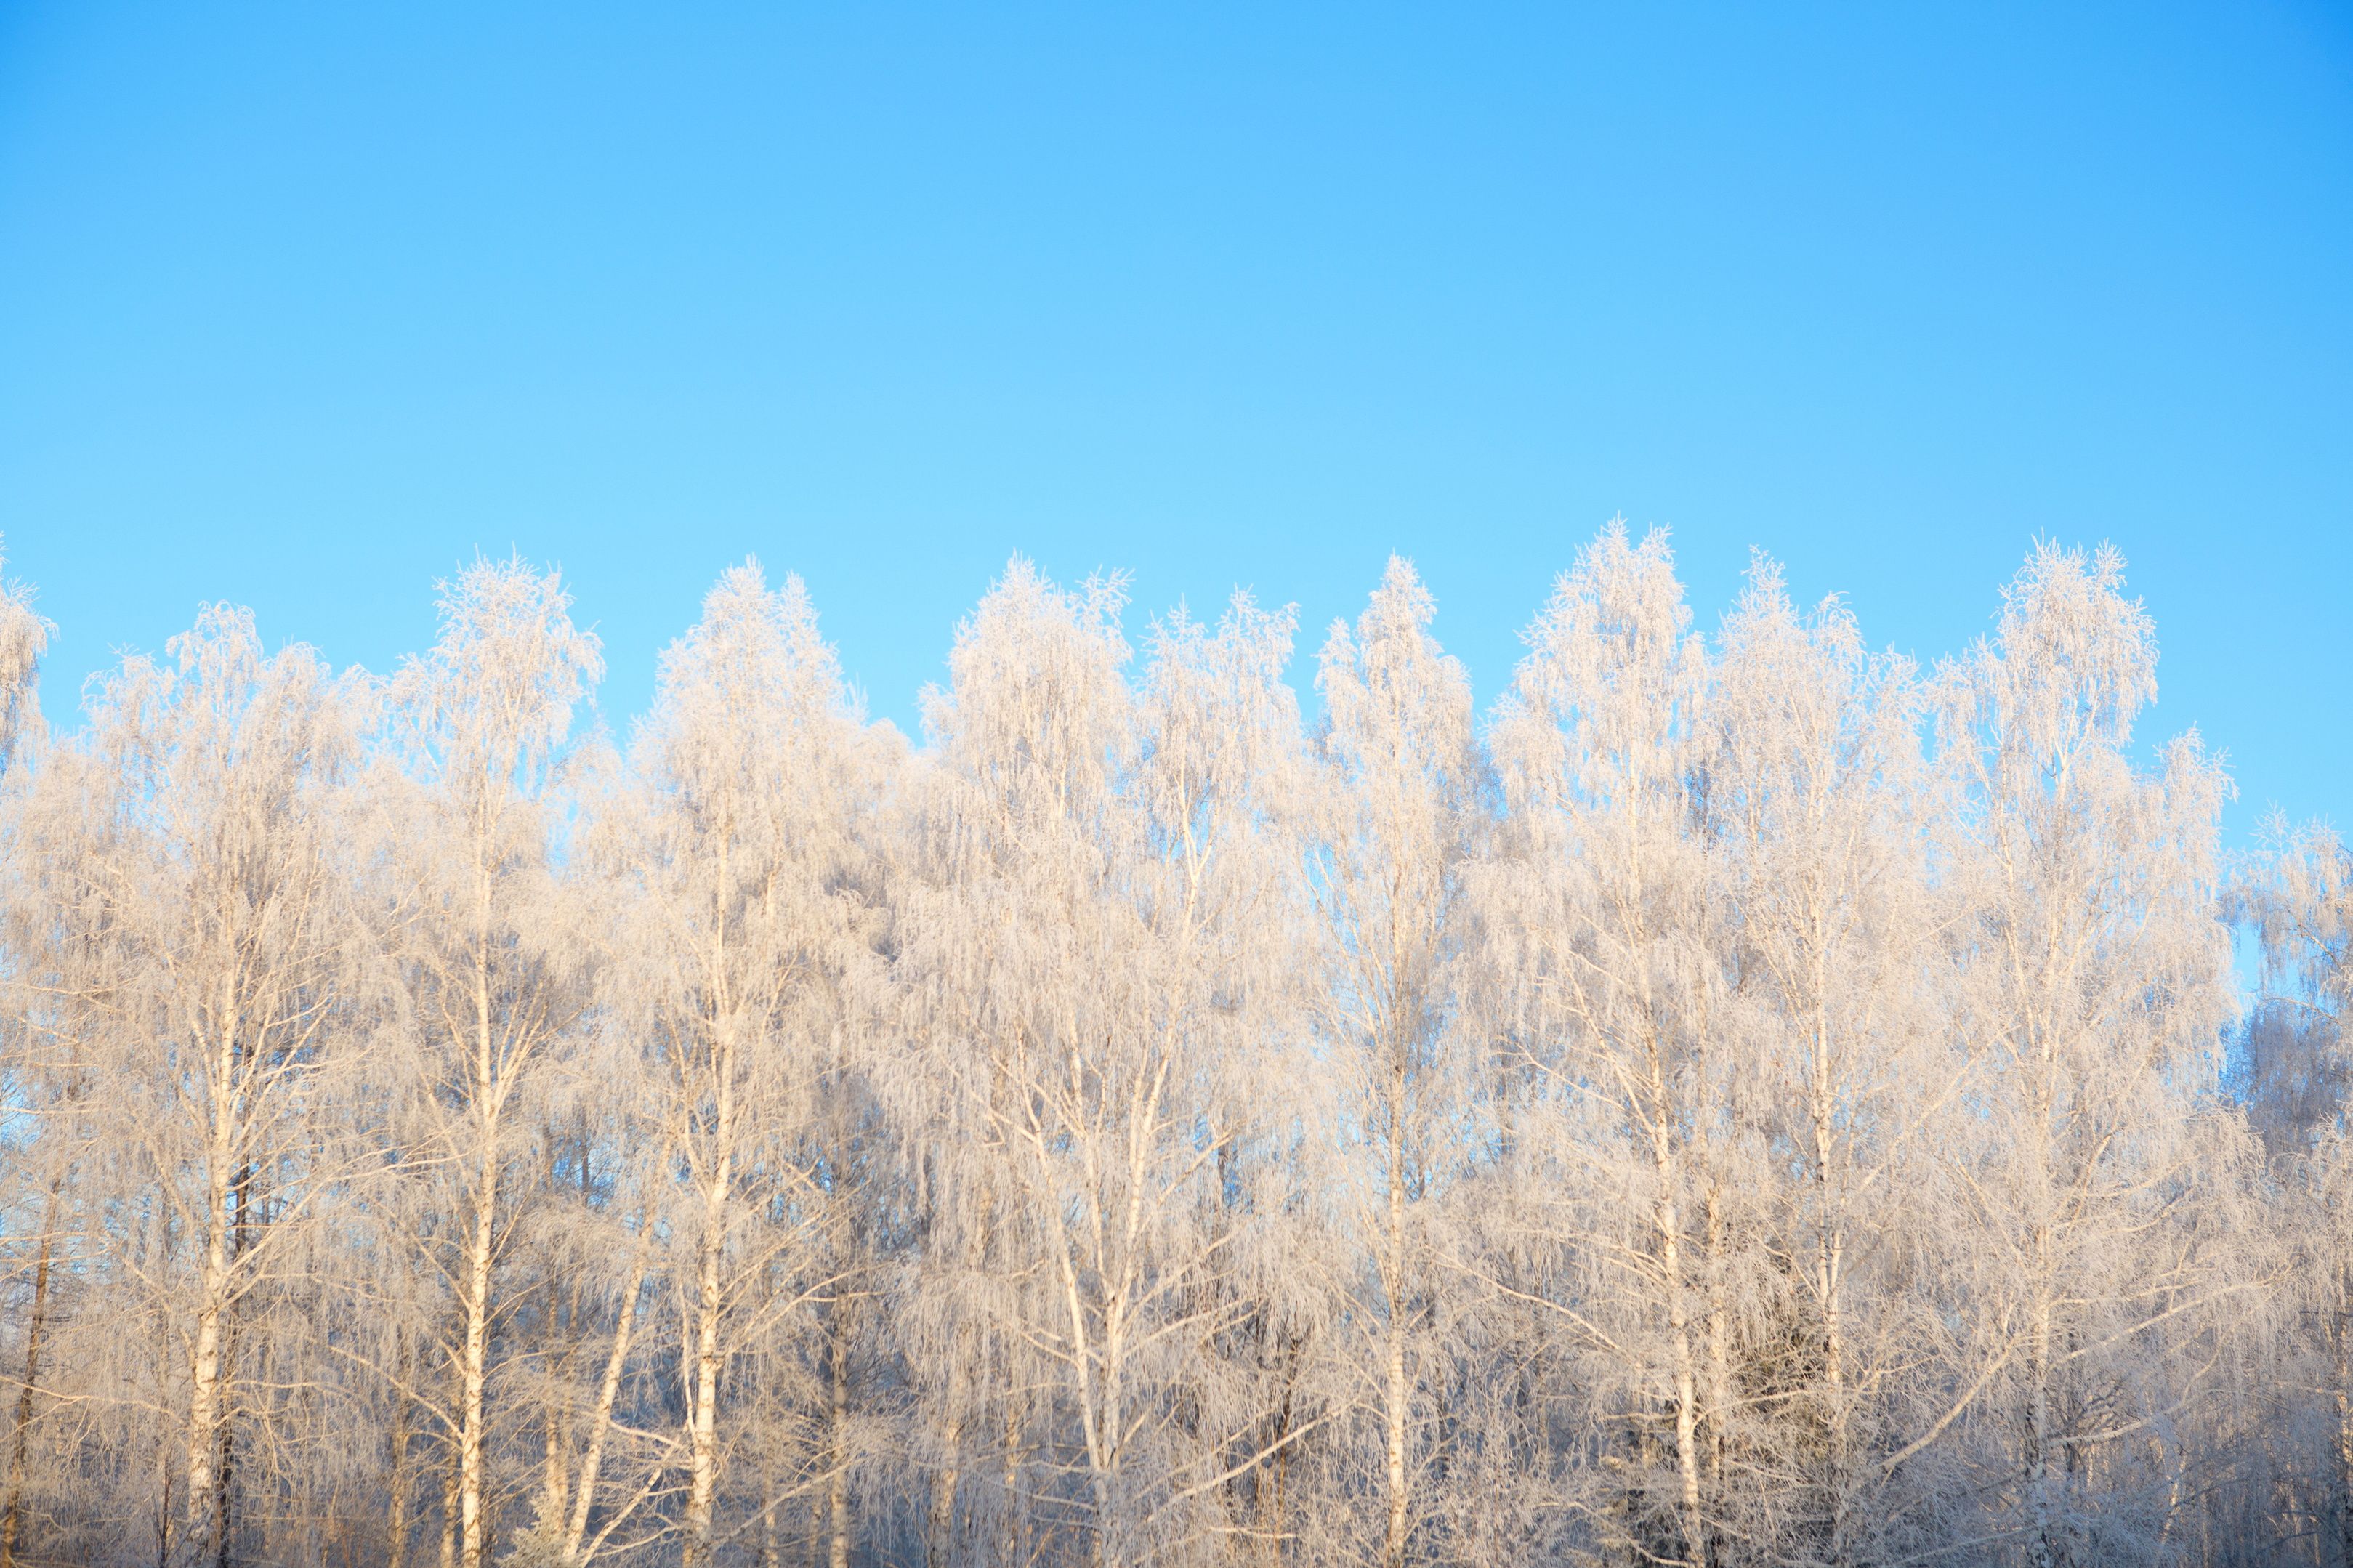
(1745, 1100)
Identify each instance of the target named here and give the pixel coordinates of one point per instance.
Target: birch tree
(1222, 1190)
(24, 638)
(1820, 799)
(751, 921)
(1611, 938)
(34, 1077)
(1099, 926)
(490, 952)
(229, 915)
(1403, 780)
(2295, 1075)
(1019, 952)
(2098, 989)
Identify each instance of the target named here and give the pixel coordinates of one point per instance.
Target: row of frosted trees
(1746, 1101)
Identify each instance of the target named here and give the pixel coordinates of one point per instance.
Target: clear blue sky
(301, 305)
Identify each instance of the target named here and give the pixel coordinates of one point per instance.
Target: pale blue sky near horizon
(302, 306)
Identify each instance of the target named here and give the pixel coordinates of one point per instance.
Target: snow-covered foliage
(1747, 1099)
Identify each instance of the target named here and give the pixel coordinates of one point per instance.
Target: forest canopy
(1746, 1099)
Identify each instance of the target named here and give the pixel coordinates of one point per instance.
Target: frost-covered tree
(2096, 1223)
(185, 840)
(1035, 1057)
(1223, 888)
(491, 949)
(746, 895)
(1401, 786)
(24, 638)
(1610, 937)
(34, 1077)
(1098, 948)
(225, 757)
(1818, 798)
(2295, 1075)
